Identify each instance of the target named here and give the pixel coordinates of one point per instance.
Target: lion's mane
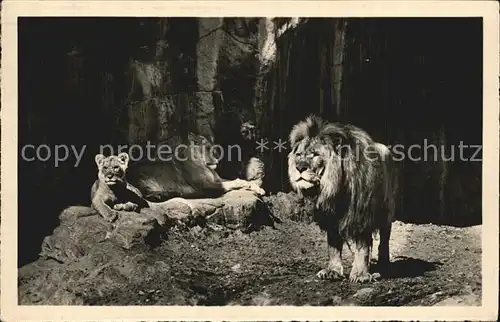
(357, 187)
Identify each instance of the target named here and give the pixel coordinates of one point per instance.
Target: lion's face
(111, 170)
(307, 163)
(203, 150)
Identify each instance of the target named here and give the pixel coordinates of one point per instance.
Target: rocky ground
(432, 265)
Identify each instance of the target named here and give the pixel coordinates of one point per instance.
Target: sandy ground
(432, 265)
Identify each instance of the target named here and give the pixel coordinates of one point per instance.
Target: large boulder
(289, 206)
(87, 254)
(81, 229)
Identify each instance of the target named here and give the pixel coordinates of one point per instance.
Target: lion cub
(111, 192)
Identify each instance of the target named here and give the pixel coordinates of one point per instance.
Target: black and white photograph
(249, 161)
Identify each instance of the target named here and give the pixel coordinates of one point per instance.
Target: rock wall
(129, 81)
(195, 72)
(408, 83)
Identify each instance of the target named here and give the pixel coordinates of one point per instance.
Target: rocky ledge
(87, 254)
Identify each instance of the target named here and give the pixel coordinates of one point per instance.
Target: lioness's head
(314, 161)
(203, 151)
(112, 169)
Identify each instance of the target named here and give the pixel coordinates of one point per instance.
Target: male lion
(188, 172)
(351, 179)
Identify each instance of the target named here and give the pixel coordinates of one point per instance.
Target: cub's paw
(119, 206)
(330, 274)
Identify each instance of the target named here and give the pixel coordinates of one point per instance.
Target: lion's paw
(362, 277)
(329, 274)
(257, 189)
(128, 206)
(118, 206)
(240, 183)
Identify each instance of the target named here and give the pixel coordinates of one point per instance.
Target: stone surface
(87, 254)
(240, 211)
(290, 206)
(81, 228)
(364, 293)
(207, 53)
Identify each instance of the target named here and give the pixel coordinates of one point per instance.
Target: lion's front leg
(361, 263)
(334, 270)
(103, 208)
(229, 185)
